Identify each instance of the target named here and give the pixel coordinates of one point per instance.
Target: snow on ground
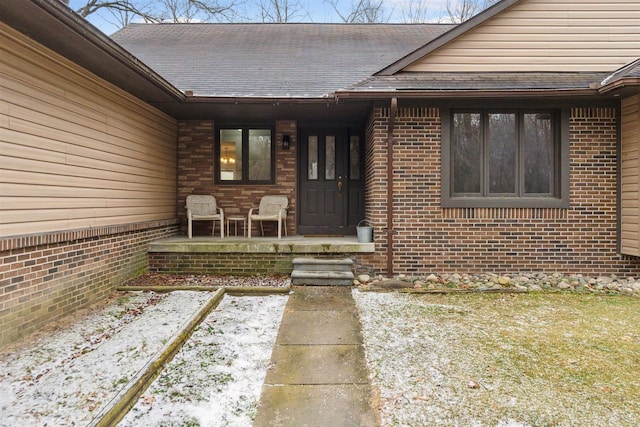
(512, 360)
(67, 375)
(63, 376)
(434, 361)
(216, 378)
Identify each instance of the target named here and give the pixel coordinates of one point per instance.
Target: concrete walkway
(318, 376)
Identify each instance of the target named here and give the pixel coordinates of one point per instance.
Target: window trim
(245, 157)
(561, 185)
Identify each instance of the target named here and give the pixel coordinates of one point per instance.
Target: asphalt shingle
(478, 81)
(631, 70)
(271, 60)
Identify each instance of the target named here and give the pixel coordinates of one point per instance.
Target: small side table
(236, 219)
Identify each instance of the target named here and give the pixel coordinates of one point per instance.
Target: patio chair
(203, 208)
(272, 208)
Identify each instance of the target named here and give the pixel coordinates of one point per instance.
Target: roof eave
(56, 26)
(627, 86)
(204, 99)
(447, 37)
(453, 94)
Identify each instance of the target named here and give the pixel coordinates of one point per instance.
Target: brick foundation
(44, 277)
(239, 264)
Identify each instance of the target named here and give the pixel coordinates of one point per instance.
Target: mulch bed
(156, 279)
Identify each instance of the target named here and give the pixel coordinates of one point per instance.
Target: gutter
(364, 95)
(393, 110)
(75, 23)
(449, 94)
(213, 99)
(624, 83)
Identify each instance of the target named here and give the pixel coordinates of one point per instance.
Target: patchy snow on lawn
(510, 360)
(217, 376)
(64, 376)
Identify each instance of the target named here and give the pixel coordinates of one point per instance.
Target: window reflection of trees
(259, 155)
(255, 165)
(503, 153)
(538, 153)
(501, 141)
(467, 134)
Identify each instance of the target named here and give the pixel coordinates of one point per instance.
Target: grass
(511, 359)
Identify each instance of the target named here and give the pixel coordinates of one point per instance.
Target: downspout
(619, 178)
(393, 109)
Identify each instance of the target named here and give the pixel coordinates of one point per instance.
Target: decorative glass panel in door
(312, 158)
(323, 182)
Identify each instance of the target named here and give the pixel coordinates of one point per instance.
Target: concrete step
(322, 278)
(312, 264)
(322, 272)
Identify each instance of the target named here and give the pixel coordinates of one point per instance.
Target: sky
(319, 11)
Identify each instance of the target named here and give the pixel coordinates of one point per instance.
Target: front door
(331, 189)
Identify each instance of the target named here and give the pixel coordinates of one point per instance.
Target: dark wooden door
(324, 182)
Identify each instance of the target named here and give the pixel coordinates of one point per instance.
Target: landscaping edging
(120, 405)
(113, 412)
(528, 282)
(231, 290)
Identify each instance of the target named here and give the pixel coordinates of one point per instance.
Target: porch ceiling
(269, 110)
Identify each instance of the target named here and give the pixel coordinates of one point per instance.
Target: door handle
(340, 185)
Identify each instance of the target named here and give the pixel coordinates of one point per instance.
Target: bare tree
(125, 11)
(458, 11)
(416, 12)
(120, 18)
(362, 12)
(280, 11)
(194, 10)
(117, 6)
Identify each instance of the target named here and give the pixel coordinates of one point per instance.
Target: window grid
(481, 178)
(245, 155)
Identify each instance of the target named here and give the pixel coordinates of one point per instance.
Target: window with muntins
(245, 155)
(504, 158)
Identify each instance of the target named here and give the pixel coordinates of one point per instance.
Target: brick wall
(46, 276)
(196, 175)
(240, 264)
(428, 238)
(376, 185)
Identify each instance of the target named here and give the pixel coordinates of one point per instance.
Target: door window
(354, 157)
(330, 158)
(312, 173)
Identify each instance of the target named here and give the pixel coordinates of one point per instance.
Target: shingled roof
(629, 71)
(624, 81)
(481, 81)
(271, 60)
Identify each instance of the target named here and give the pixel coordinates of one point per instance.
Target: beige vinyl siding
(75, 151)
(546, 35)
(630, 177)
